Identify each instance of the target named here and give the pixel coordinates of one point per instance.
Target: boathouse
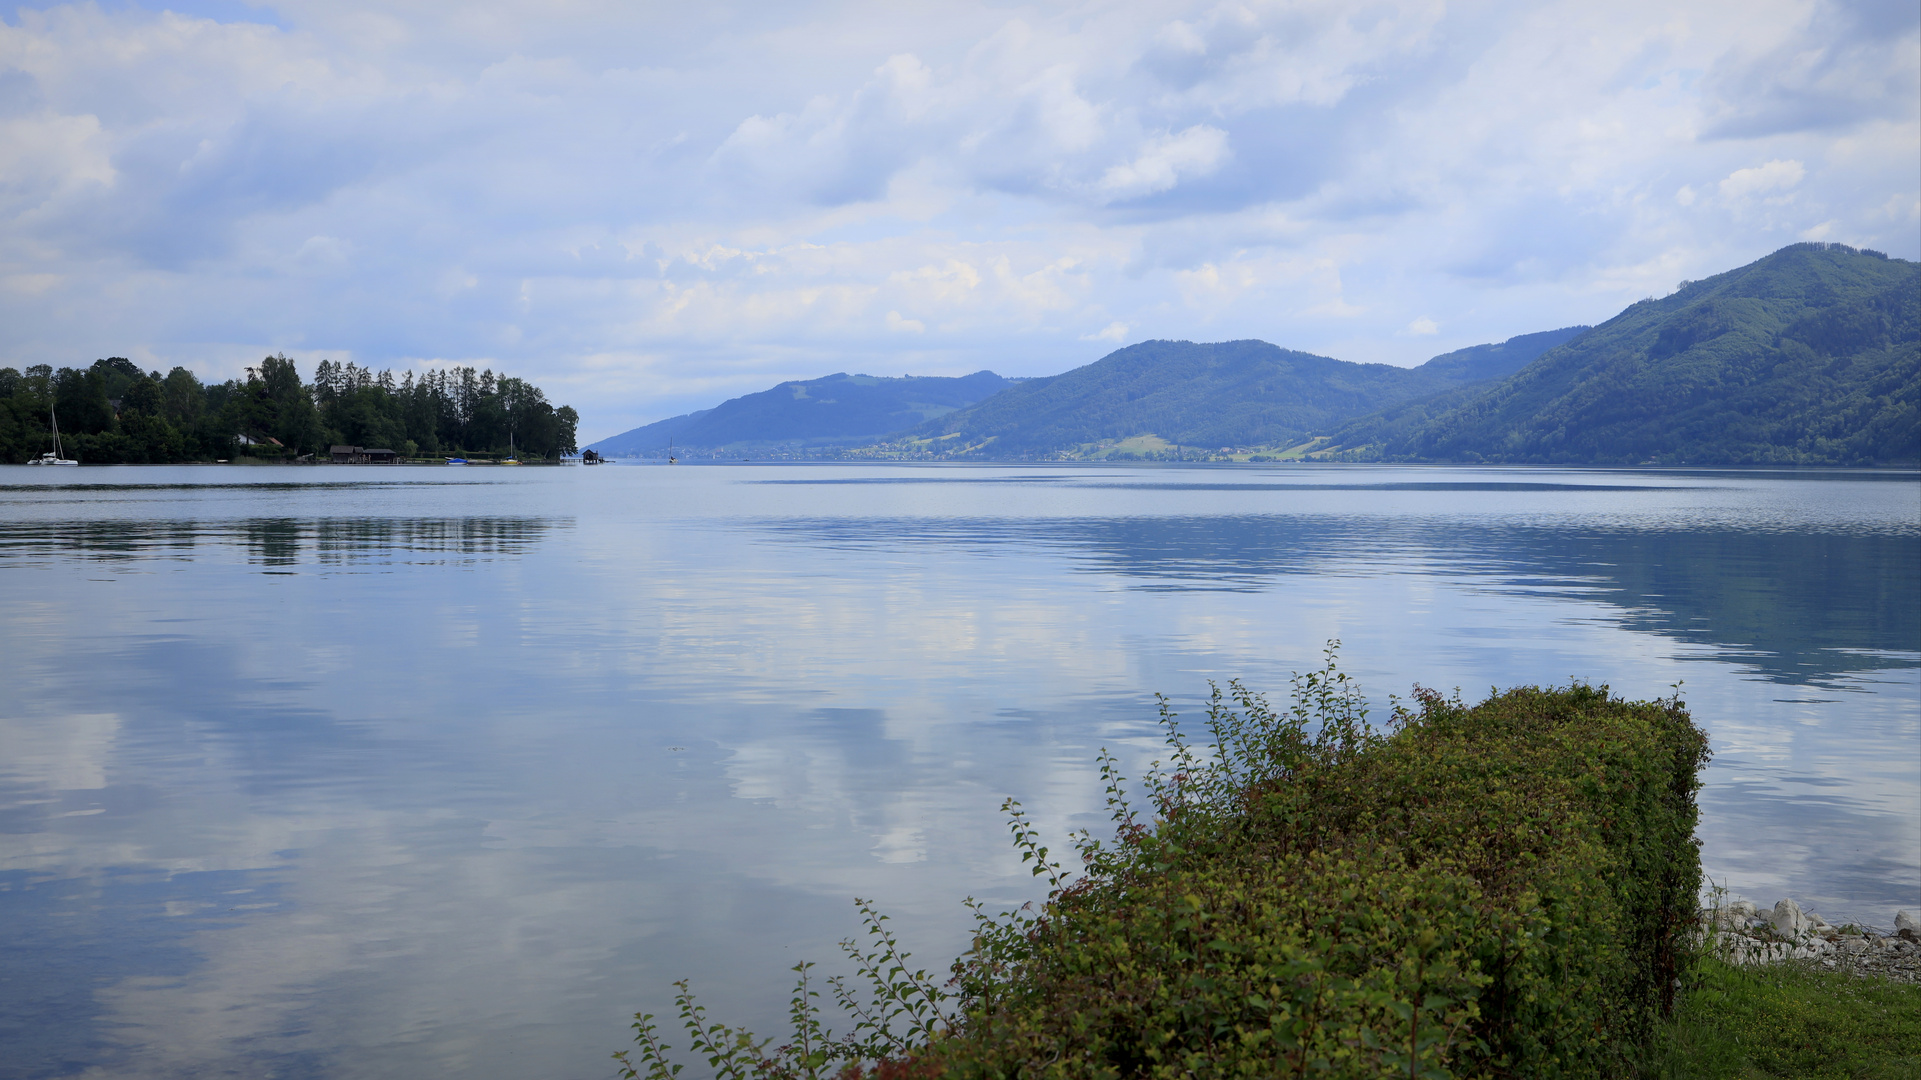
(361, 455)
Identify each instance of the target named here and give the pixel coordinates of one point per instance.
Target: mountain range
(1228, 395)
(1811, 355)
(836, 410)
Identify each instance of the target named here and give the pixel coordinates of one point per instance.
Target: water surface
(356, 772)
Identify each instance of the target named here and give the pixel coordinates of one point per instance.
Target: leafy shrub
(1502, 890)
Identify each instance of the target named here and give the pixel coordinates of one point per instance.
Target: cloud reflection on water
(1798, 606)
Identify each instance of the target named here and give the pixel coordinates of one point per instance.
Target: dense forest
(113, 413)
(1235, 393)
(1809, 356)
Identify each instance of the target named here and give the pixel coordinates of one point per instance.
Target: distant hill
(1811, 355)
(1479, 363)
(1235, 393)
(645, 440)
(1476, 367)
(837, 410)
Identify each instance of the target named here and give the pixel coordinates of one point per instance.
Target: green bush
(1502, 890)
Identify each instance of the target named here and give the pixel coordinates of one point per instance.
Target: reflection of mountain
(1799, 606)
(327, 542)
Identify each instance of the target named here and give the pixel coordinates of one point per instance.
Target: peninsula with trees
(113, 413)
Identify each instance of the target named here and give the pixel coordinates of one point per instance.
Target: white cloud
(1761, 179)
(48, 153)
(1424, 326)
(649, 206)
(1114, 331)
(1164, 160)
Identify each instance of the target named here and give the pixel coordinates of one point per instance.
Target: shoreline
(1743, 933)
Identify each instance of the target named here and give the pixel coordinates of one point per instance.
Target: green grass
(1787, 1020)
(1300, 451)
(1133, 446)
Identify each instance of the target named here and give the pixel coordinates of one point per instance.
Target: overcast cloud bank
(650, 210)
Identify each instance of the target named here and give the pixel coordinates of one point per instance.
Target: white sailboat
(512, 459)
(52, 457)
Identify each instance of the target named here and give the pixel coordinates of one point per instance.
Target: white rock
(1905, 921)
(1788, 920)
(1744, 909)
(1729, 919)
(1745, 951)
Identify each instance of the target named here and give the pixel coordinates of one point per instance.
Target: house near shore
(361, 455)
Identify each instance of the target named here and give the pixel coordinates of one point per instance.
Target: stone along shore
(1747, 934)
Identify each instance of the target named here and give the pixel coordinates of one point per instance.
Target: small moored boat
(53, 456)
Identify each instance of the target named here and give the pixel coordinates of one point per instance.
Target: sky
(646, 208)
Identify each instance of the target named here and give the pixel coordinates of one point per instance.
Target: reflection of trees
(1800, 606)
(339, 541)
(278, 542)
(274, 542)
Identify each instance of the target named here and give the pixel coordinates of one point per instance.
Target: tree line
(111, 412)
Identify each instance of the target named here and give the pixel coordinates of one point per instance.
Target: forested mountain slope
(1811, 355)
(1235, 393)
(836, 410)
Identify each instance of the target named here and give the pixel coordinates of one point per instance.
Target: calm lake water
(341, 772)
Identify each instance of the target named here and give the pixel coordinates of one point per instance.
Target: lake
(423, 772)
